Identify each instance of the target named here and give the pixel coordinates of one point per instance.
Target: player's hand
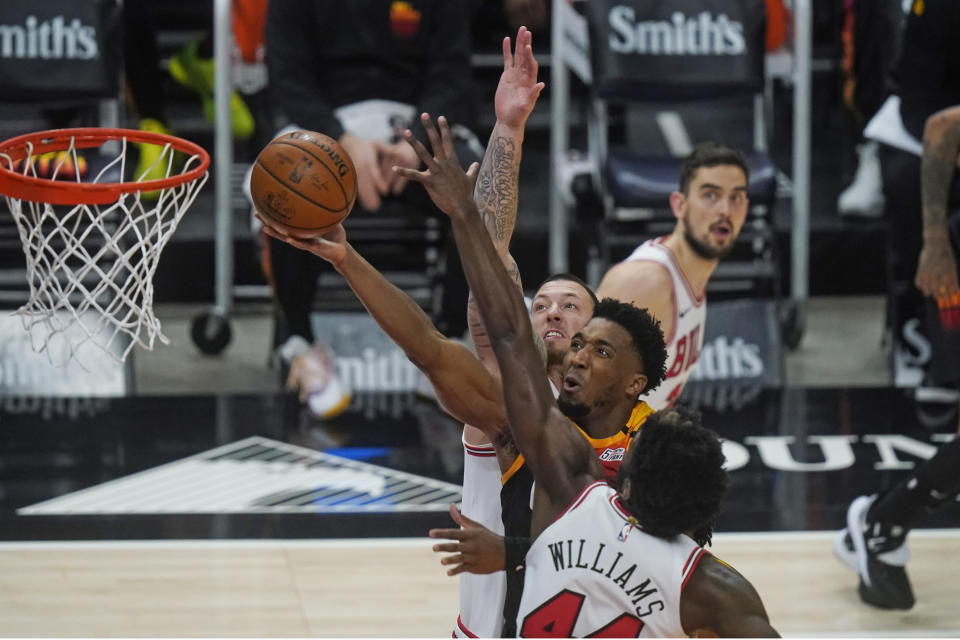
(371, 185)
(937, 269)
(477, 549)
(396, 154)
(518, 89)
(331, 246)
(449, 187)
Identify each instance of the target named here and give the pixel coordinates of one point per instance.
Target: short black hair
(711, 154)
(677, 479)
(645, 333)
(576, 280)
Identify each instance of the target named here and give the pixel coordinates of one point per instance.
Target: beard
(572, 410)
(704, 250)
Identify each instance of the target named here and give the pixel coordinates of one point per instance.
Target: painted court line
(366, 543)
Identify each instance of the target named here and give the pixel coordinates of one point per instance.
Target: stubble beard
(704, 250)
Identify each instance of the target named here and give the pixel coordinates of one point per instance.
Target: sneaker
(864, 196)
(313, 375)
(880, 554)
(197, 74)
(843, 550)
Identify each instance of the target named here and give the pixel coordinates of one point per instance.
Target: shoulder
(635, 276)
(719, 599)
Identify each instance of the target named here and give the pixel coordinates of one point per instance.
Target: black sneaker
(881, 555)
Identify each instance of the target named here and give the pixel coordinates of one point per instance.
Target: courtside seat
(648, 61)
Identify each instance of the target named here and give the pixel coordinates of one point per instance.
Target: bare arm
(645, 285)
(562, 463)
(464, 387)
(496, 191)
(718, 601)
(937, 268)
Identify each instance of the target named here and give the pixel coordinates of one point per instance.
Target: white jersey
(689, 321)
(592, 573)
(481, 596)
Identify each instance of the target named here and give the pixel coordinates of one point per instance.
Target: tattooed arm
(496, 191)
(937, 268)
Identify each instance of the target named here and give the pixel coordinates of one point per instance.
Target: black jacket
(323, 54)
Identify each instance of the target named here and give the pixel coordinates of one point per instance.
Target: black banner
(676, 49)
(59, 50)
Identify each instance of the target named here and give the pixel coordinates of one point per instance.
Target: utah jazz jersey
(516, 499)
(689, 320)
(594, 573)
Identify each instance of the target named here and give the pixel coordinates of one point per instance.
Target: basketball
(303, 183)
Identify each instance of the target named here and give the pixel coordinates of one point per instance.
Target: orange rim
(23, 187)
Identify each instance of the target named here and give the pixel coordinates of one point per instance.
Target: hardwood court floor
(396, 587)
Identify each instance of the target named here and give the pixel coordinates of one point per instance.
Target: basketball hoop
(92, 244)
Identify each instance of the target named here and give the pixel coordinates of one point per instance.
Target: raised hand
(518, 89)
(449, 187)
(477, 549)
(331, 246)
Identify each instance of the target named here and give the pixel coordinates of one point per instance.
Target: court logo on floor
(257, 475)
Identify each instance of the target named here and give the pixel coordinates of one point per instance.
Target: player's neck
(604, 422)
(555, 373)
(696, 269)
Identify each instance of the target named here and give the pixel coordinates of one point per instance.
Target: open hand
(449, 187)
(478, 550)
(518, 89)
(331, 246)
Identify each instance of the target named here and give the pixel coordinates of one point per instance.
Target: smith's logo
(53, 39)
(702, 35)
(724, 359)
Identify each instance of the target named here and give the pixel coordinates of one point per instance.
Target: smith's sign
(682, 35)
(57, 38)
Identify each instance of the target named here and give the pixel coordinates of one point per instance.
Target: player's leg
(874, 542)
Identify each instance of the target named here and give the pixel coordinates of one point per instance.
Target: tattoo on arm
(514, 272)
(496, 190)
(939, 158)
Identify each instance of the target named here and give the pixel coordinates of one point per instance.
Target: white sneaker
(313, 375)
(864, 196)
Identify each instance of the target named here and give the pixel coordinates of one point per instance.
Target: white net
(90, 268)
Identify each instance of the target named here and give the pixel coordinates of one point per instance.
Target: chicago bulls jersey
(593, 573)
(689, 319)
(481, 596)
(516, 499)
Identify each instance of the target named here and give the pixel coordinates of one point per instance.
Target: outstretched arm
(562, 463)
(496, 192)
(937, 268)
(464, 387)
(718, 601)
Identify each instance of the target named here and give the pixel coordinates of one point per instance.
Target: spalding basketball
(303, 183)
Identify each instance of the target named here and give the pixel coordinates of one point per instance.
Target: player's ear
(637, 385)
(678, 203)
